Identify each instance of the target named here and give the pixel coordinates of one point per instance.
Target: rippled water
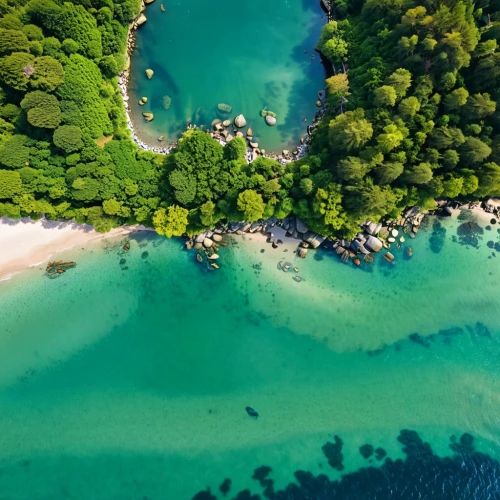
(128, 376)
(249, 55)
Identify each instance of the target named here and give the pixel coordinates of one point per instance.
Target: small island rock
(148, 116)
(149, 73)
(271, 121)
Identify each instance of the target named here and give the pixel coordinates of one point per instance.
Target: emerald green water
(131, 381)
(245, 54)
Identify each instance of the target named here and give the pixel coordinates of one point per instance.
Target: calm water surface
(128, 376)
(249, 55)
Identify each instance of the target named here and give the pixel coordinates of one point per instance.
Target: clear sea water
(129, 379)
(249, 55)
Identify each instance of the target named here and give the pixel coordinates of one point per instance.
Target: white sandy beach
(25, 243)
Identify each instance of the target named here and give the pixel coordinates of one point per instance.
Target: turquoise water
(246, 54)
(130, 380)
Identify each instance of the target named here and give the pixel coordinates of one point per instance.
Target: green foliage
(48, 74)
(13, 41)
(14, 153)
(68, 138)
(14, 68)
(171, 221)
(10, 184)
(251, 204)
(42, 109)
(350, 130)
(385, 96)
(331, 43)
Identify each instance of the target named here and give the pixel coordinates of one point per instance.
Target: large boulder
(148, 116)
(301, 226)
(207, 242)
(200, 238)
(240, 121)
(226, 123)
(271, 121)
(373, 244)
(217, 237)
(149, 73)
(141, 20)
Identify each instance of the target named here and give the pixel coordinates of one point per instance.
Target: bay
(248, 55)
(128, 376)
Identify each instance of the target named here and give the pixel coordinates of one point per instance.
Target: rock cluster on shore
(209, 241)
(373, 237)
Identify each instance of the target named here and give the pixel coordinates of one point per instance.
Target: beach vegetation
(414, 118)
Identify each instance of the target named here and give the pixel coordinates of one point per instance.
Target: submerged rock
(252, 412)
(226, 108)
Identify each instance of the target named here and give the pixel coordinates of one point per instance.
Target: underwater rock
(225, 486)
(252, 412)
(366, 450)
(226, 108)
(144, 255)
(380, 453)
(122, 261)
(198, 246)
(333, 452)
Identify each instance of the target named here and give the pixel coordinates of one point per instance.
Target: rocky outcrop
(240, 121)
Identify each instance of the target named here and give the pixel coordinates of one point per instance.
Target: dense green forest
(411, 117)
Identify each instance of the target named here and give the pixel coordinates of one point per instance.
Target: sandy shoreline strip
(25, 243)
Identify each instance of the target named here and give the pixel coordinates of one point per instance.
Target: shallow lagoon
(130, 380)
(246, 54)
